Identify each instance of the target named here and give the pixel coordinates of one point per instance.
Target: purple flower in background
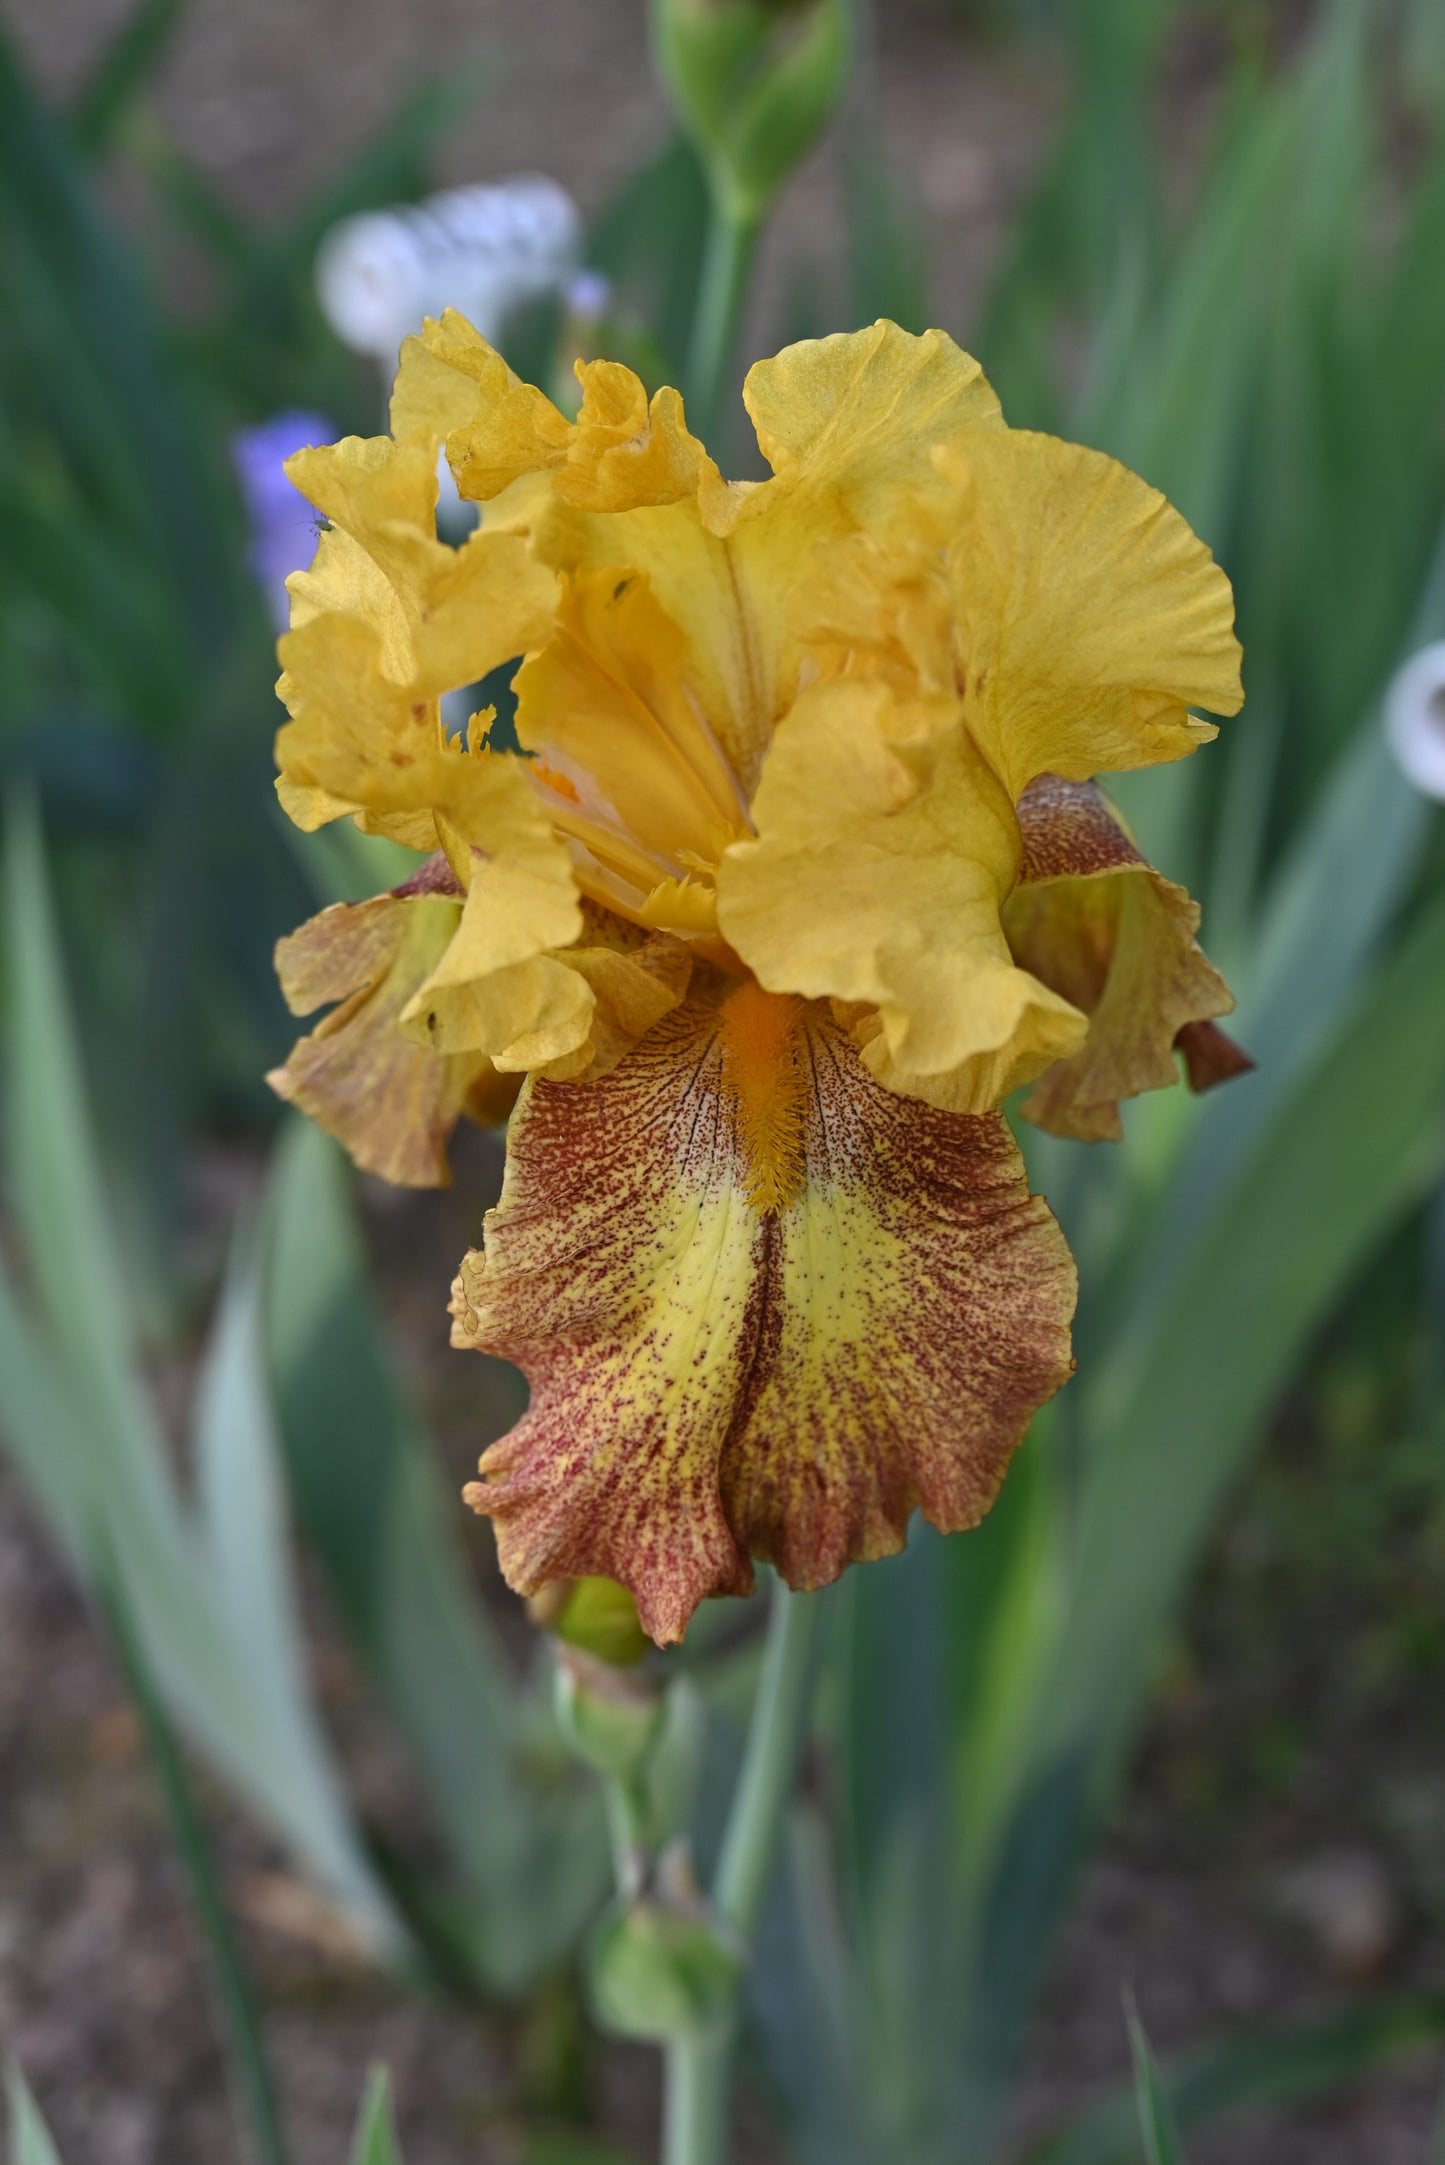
(283, 524)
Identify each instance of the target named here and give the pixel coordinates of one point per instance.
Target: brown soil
(268, 99)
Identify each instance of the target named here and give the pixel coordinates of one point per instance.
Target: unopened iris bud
(755, 83)
(610, 1717)
(600, 1617)
(661, 1966)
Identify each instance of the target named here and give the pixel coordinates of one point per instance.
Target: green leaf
(650, 240)
(123, 71)
(55, 1183)
(888, 263)
(75, 1414)
(38, 1427)
(551, 2148)
(388, 1539)
(30, 2142)
(242, 1504)
(1272, 2068)
(894, 1857)
(1168, 1413)
(1156, 2122)
(115, 616)
(1328, 908)
(375, 2141)
(243, 2029)
(802, 1994)
(97, 368)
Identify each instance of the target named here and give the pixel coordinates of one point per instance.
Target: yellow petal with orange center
(766, 1308)
(1096, 922)
(885, 849)
(1087, 616)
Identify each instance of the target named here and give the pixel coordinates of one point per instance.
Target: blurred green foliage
(1260, 329)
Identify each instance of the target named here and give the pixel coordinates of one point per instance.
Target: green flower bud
(609, 1717)
(600, 1616)
(755, 83)
(660, 1967)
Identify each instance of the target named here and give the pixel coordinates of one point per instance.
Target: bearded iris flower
(799, 871)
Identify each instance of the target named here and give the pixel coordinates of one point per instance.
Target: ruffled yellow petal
(393, 1103)
(385, 621)
(1096, 922)
(443, 373)
(309, 807)
(359, 743)
(765, 1307)
(885, 849)
(443, 616)
(854, 419)
(1088, 617)
(628, 451)
(498, 989)
(621, 451)
(850, 425)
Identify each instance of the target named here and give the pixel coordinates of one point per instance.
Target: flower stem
(775, 1738)
(731, 240)
(695, 2106)
(624, 1831)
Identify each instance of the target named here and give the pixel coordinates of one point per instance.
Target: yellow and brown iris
(800, 870)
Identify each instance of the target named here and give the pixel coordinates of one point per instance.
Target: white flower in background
(1415, 719)
(484, 250)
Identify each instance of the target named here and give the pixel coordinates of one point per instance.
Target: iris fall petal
(766, 1308)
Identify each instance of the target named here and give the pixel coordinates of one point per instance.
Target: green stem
(731, 240)
(624, 1831)
(695, 2106)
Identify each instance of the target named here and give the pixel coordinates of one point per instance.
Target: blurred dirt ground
(1283, 1843)
(270, 96)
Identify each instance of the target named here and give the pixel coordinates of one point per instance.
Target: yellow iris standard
(799, 871)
